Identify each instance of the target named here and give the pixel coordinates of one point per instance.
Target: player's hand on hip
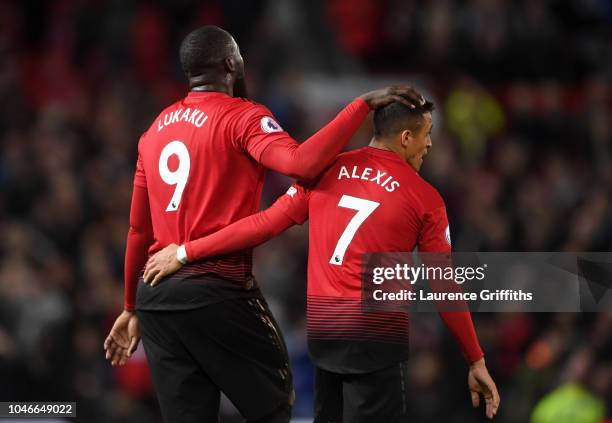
(400, 93)
(481, 383)
(162, 264)
(123, 338)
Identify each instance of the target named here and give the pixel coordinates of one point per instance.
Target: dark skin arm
(304, 161)
(245, 233)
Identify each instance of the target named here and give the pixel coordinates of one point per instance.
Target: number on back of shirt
(364, 209)
(176, 177)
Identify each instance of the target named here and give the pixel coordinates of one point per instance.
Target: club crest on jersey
(291, 191)
(270, 125)
(447, 235)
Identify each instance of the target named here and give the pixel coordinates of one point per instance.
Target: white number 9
(177, 177)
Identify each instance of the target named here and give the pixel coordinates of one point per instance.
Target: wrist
(478, 363)
(363, 101)
(181, 254)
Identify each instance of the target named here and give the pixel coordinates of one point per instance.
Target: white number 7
(179, 176)
(364, 209)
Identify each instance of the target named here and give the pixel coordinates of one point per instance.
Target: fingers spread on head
(404, 90)
(409, 94)
(416, 96)
(401, 100)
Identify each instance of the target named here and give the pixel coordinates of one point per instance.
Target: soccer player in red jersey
(200, 167)
(369, 200)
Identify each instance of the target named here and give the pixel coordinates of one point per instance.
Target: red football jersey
(369, 200)
(199, 179)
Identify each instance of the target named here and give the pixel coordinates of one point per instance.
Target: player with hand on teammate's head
(201, 167)
(369, 200)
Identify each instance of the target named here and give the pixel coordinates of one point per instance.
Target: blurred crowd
(522, 154)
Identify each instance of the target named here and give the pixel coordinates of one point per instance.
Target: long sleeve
(434, 244)
(139, 238)
(455, 314)
(306, 160)
(251, 231)
(248, 232)
(461, 326)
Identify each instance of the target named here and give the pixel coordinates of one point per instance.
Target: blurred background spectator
(522, 155)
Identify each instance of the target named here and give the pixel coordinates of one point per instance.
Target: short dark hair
(396, 117)
(205, 48)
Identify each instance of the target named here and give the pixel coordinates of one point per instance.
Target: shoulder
(352, 155)
(245, 105)
(248, 112)
(428, 194)
(343, 159)
(159, 119)
(168, 109)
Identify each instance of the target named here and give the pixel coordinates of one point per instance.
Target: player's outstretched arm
(248, 232)
(306, 160)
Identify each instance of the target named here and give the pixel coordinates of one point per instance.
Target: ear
(229, 65)
(406, 137)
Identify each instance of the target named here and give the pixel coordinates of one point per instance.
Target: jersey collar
(388, 155)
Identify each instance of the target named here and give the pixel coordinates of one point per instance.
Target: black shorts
(233, 346)
(379, 396)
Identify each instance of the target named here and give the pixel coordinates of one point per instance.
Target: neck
(384, 145)
(204, 83)
(212, 88)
